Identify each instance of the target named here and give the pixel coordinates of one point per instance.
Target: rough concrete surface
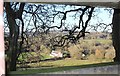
(111, 69)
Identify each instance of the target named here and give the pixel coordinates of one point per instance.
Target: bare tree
(12, 14)
(26, 21)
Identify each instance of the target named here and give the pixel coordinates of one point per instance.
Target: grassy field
(67, 62)
(102, 41)
(61, 65)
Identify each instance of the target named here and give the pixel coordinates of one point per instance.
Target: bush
(75, 52)
(66, 54)
(99, 54)
(92, 57)
(97, 44)
(110, 54)
(86, 51)
(93, 51)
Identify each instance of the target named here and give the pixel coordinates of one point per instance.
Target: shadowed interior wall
(2, 53)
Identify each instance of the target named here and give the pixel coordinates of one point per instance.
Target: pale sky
(103, 16)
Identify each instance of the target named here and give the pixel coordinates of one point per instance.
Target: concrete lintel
(62, 0)
(103, 3)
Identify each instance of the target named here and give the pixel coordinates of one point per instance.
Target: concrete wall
(111, 69)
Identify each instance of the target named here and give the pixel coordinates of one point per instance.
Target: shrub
(99, 54)
(106, 47)
(92, 51)
(66, 54)
(86, 51)
(110, 54)
(92, 57)
(75, 52)
(97, 44)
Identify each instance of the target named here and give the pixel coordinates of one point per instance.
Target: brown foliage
(99, 54)
(110, 54)
(75, 52)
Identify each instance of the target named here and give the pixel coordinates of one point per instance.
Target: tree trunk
(116, 34)
(14, 46)
(13, 37)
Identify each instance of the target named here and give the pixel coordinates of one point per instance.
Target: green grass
(103, 41)
(45, 56)
(67, 62)
(63, 65)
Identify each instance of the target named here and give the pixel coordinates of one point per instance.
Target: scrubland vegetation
(85, 52)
